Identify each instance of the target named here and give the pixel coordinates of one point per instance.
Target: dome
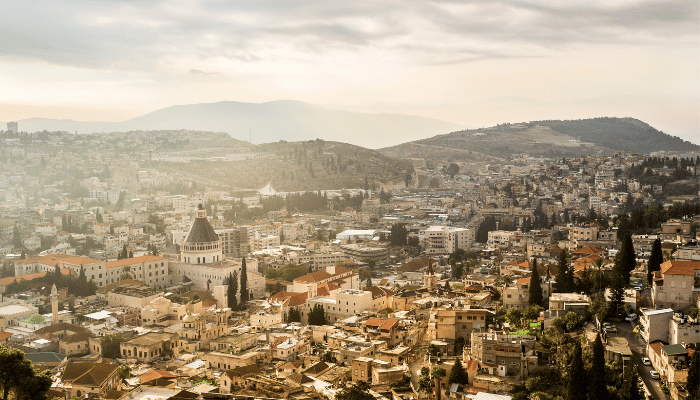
(36, 319)
(189, 318)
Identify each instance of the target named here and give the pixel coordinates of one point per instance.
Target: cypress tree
(458, 375)
(244, 283)
(535, 290)
(576, 387)
(693, 380)
(655, 259)
(626, 259)
(565, 276)
(597, 390)
(632, 383)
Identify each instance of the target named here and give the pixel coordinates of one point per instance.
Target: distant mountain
(267, 122)
(545, 138)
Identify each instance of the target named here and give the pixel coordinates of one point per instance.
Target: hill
(296, 166)
(266, 122)
(544, 138)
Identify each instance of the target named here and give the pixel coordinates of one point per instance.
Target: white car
(631, 317)
(646, 361)
(611, 328)
(654, 374)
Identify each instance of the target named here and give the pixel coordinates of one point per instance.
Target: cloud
(186, 35)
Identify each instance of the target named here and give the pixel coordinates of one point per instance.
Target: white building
(446, 240)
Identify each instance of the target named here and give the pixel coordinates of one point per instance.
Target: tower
(54, 305)
(202, 245)
(429, 278)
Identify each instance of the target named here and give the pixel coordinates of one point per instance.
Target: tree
(514, 316)
(232, 290)
(535, 289)
(111, 344)
(399, 235)
(244, 283)
(576, 387)
(433, 350)
(693, 380)
(626, 259)
(655, 259)
(293, 315)
(453, 170)
(17, 238)
(437, 374)
(632, 386)
(425, 384)
(19, 378)
(565, 276)
(458, 375)
(617, 292)
(532, 312)
(358, 391)
(317, 315)
(597, 389)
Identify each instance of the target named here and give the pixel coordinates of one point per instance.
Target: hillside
(622, 134)
(295, 166)
(544, 138)
(266, 122)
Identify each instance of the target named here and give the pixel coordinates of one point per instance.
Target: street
(638, 351)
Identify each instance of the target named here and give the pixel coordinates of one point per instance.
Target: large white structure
(339, 304)
(445, 239)
(201, 261)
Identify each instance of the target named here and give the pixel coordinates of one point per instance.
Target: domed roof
(189, 318)
(36, 319)
(201, 230)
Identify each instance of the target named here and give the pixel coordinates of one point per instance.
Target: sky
(475, 63)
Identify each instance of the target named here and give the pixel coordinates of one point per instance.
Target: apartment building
(452, 324)
(339, 304)
(504, 355)
(151, 270)
(445, 240)
(676, 285)
(95, 270)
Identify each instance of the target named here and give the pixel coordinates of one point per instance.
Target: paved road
(638, 348)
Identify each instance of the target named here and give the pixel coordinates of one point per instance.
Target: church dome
(201, 230)
(189, 318)
(36, 319)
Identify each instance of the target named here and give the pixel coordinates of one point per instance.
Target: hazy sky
(476, 63)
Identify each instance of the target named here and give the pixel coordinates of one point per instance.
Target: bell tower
(54, 304)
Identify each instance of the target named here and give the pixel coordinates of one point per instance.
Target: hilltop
(544, 138)
(295, 166)
(266, 122)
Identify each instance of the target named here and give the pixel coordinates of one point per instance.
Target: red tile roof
(133, 260)
(674, 267)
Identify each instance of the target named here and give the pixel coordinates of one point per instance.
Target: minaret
(54, 304)
(429, 278)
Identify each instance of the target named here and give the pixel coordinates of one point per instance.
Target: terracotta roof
(131, 261)
(388, 324)
(88, 374)
(243, 371)
(414, 265)
(155, 374)
(53, 259)
(522, 281)
(588, 250)
(374, 322)
(290, 299)
(77, 337)
(674, 267)
(314, 277)
(4, 336)
(471, 365)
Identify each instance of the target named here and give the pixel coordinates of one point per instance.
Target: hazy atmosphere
(473, 63)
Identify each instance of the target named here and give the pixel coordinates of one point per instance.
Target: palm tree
(437, 374)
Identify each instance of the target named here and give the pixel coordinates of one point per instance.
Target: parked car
(654, 374)
(646, 361)
(631, 317)
(610, 328)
